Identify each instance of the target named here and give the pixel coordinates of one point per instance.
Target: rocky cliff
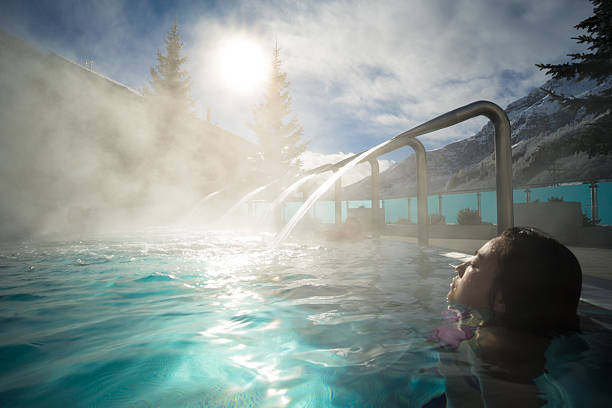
(539, 126)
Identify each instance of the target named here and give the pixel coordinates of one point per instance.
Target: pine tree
(169, 84)
(278, 132)
(595, 64)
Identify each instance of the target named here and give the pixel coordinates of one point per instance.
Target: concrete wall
(364, 215)
(595, 237)
(560, 219)
(483, 232)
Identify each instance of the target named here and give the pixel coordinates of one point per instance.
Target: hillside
(540, 132)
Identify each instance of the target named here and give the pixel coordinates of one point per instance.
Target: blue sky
(360, 71)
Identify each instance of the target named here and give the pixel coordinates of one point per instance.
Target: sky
(360, 72)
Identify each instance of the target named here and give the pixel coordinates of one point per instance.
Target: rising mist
(82, 153)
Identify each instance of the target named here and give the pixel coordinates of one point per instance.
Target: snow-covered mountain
(538, 123)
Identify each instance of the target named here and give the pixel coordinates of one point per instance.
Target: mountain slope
(539, 128)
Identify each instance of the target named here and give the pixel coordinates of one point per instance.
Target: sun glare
(242, 64)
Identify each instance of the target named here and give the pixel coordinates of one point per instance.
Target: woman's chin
(450, 296)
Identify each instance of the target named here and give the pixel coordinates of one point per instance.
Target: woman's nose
(461, 269)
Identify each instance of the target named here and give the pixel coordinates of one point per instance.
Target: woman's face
(472, 285)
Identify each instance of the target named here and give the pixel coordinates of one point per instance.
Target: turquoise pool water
(224, 320)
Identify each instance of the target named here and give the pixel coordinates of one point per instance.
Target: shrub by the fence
(468, 217)
(435, 219)
(403, 221)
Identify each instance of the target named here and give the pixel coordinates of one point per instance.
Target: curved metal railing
(503, 159)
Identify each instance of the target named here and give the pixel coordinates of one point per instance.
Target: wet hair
(540, 282)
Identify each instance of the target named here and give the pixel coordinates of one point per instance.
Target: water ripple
(215, 319)
(20, 297)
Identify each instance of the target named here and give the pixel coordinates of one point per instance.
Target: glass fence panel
(325, 211)
(576, 193)
(519, 195)
(243, 209)
(414, 210)
(396, 210)
(360, 203)
(406, 208)
(259, 208)
(290, 208)
(432, 205)
(604, 203)
(453, 203)
(488, 206)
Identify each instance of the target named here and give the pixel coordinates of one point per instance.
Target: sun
(242, 64)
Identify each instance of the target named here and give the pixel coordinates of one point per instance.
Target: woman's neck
(519, 354)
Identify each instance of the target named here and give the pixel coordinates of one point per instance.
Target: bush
(589, 222)
(557, 199)
(468, 217)
(403, 221)
(436, 219)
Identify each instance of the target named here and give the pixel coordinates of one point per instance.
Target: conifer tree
(594, 64)
(277, 130)
(169, 84)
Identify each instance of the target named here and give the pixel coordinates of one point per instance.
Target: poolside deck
(596, 266)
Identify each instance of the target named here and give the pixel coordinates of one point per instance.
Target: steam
(283, 196)
(225, 218)
(81, 153)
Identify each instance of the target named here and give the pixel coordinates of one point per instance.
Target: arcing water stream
(197, 205)
(284, 233)
(283, 196)
(243, 200)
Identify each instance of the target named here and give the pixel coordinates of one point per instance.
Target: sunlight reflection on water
(214, 318)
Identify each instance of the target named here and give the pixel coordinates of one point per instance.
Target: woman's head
(529, 280)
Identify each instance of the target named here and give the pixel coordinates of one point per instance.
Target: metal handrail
(503, 151)
(503, 156)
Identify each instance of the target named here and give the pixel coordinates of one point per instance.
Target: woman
(524, 288)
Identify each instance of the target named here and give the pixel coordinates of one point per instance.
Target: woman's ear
(498, 303)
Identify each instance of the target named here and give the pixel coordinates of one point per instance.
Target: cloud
(360, 71)
(390, 120)
(311, 159)
(383, 69)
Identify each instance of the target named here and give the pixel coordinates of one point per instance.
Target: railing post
(409, 219)
(375, 195)
(338, 202)
(422, 192)
(593, 187)
(503, 168)
(346, 207)
(478, 200)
